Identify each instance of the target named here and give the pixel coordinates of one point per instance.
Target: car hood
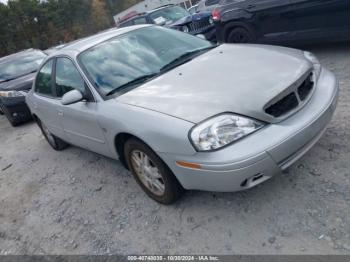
(230, 78)
(20, 83)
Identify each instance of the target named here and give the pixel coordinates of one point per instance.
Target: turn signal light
(188, 165)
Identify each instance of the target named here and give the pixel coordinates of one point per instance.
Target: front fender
(163, 133)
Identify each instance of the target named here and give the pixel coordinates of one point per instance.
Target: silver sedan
(181, 113)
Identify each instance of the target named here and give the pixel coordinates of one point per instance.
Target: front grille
(199, 25)
(283, 106)
(306, 87)
(292, 100)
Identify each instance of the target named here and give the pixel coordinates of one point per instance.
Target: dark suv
(178, 18)
(282, 21)
(17, 72)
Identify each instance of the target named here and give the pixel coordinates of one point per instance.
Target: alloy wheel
(148, 172)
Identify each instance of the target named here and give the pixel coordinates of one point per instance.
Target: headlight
(185, 29)
(222, 130)
(11, 93)
(317, 65)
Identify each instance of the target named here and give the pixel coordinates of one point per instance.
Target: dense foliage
(43, 24)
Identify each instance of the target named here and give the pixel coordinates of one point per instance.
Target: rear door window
(43, 84)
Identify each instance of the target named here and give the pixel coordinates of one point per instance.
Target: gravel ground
(77, 202)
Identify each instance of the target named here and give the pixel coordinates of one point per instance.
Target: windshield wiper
(185, 58)
(136, 81)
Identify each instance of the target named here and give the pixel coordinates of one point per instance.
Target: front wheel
(240, 35)
(55, 142)
(151, 173)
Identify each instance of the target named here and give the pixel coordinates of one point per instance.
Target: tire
(160, 184)
(240, 35)
(56, 143)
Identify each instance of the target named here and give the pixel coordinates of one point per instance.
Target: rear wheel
(240, 35)
(151, 173)
(55, 142)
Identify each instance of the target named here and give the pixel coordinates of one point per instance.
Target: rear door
(271, 18)
(315, 19)
(45, 102)
(79, 119)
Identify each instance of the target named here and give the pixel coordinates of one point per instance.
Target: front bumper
(265, 153)
(16, 108)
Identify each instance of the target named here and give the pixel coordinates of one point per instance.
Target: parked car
(175, 17)
(17, 73)
(182, 113)
(282, 21)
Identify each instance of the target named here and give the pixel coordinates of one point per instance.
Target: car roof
(83, 44)
(15, 55)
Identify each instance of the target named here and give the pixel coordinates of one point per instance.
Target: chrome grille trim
(301, 91)
(200, 25)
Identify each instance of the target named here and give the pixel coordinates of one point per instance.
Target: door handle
(60, 113)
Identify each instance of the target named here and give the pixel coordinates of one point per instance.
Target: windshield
(168, 15)
(138, 53)
(20, 65)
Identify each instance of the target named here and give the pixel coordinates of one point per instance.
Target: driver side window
(67, 77)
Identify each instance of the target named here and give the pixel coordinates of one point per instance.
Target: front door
(79, 119)
(272, 19)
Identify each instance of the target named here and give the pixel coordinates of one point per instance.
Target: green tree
(45, 23)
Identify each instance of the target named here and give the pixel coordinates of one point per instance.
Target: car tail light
(216, 15)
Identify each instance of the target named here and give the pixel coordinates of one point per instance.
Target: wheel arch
(119, 144)
(236, 24)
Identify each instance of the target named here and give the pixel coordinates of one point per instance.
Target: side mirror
(72, 97)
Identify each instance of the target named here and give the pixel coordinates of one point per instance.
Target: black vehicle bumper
(16, 108)
(208, 33)
(219, 32)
